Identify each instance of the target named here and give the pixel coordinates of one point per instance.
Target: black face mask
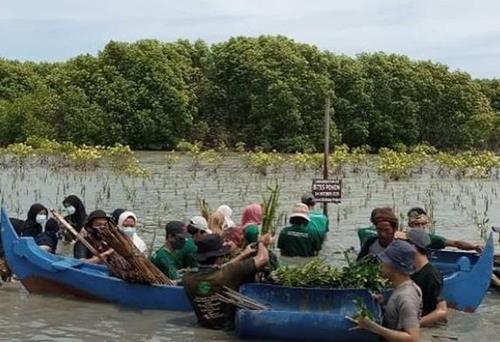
(179, 243)
(94, 232)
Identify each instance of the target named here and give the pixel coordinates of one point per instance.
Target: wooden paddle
(78, 236)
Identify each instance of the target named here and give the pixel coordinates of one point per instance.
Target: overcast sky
(465, 34)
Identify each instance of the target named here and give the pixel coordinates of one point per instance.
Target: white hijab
(226, 211)
(141, 245)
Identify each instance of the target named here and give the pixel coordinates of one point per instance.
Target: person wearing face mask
(35, 222)
(127, 223)
(169, 258)
(47, 239)
(74, 212)
(95, 221)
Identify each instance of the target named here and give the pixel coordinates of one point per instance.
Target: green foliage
(244, 93)
(270, 207)
(317, 273)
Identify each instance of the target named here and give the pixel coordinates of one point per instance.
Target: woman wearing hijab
(35, 222)
(75, 212)
(127, 222)
(47, 239)
(251, 219)
(227, 212)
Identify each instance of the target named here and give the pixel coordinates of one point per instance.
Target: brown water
(171, 194)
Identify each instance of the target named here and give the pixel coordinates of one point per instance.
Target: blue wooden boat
(466, 275)
(303, 314)
(42, 272)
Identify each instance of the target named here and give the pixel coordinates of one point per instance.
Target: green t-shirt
(364, 234)
(169, 262)
(299, 240)
(319, 221)
(437, 242)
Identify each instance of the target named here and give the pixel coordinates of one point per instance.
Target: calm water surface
(171, 194)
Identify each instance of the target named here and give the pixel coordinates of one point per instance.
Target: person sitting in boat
(429, 279)
(172, 256)
(74, 212)
(35, 221)
(127, 222)
(418, 218)
(402, 310)
(48, 238)
(386, 224)
(115, 214)
(319, 220)
(197, 227)
(95, 222)
(299, 239)
(204, 286)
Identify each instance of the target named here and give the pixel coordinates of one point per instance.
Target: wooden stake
(77, 235)
(327, 147)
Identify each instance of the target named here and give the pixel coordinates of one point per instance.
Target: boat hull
(303, 314)
(466, 276)
(42, 272)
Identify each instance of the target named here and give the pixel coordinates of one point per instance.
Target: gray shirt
(403, 309)
(376, 248)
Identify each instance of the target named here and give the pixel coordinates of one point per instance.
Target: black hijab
(49, 236)
(77, 220)
(31, 227)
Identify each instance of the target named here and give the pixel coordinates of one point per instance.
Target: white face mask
(129, 231)
(70, 210)
(41, 219)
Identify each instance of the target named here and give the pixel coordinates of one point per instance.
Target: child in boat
(429, 279)
(402, 310)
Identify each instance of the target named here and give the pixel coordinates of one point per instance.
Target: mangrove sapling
(270, 207)
(362, 310)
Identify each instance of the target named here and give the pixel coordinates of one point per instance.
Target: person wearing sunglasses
(418, 218)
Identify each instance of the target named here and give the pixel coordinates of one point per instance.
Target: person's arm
(463, 245)
(440, 314)
(246, 253)
(262, 257)
(409, 335)
(365, 250)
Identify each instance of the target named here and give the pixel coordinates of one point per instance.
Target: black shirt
(430, 281)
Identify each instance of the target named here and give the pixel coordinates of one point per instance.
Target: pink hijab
(252, 214)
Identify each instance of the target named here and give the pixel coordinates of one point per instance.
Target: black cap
(210, 245)
(308, 199)
(96, 214)
(417, 210)
(175, 227)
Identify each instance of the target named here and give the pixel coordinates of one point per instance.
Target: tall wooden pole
(327, 147)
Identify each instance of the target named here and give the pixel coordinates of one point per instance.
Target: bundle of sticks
(239, 300)
(138, 268)
(126, 262)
